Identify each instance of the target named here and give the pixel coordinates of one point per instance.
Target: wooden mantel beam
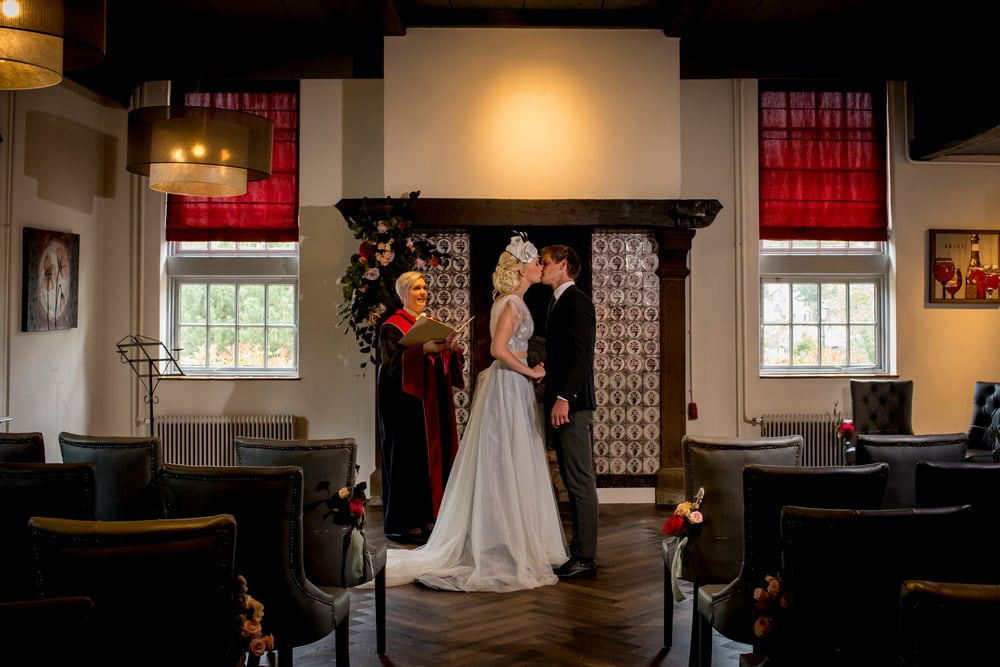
(621, 213)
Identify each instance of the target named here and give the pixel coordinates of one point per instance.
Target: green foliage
(389, 248)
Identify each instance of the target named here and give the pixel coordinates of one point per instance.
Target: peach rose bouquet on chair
(252, 639)
(683, 523)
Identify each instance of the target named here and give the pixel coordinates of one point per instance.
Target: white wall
(59, 158)
(532, 114)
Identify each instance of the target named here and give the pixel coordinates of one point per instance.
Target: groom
(570, 333)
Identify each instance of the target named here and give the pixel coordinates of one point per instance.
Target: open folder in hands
(425, 329)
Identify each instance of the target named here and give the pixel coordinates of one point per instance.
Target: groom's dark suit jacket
(570, 333)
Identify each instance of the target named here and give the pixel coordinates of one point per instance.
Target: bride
(498, 528)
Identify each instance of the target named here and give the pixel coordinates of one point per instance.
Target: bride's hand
(538, 372)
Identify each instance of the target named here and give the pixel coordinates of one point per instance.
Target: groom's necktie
(552, 304)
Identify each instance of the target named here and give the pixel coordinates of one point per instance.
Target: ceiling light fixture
(199, 151)
(31, 45)
(40, 38)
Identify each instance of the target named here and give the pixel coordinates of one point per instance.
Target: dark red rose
(674, 525)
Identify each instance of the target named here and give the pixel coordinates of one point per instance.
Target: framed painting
(963, 266)
(51, 280)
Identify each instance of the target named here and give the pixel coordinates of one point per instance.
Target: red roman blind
(269, 211)
(823, 161)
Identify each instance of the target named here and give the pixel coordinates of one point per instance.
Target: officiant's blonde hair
(405, 282)
(507, 275)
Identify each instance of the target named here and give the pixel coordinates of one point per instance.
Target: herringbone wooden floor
(613, 621)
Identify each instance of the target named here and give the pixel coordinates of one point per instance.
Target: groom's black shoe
(577, 569)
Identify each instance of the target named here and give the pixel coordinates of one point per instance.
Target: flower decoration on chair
(350, 509)
(771, 605)
(389, 248)
(685, 522)
(357, 563)
(845, 427)
(252, 639)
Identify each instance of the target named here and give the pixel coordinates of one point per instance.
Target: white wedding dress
(498, 528)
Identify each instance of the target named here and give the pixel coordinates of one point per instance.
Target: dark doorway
(485, 246)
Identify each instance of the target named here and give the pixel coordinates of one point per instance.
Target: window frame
(231, 267)
(828, 267)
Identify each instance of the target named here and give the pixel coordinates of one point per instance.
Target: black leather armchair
(945, 623)
(844, 569)
(939, 484)
(126, 468)
(159, 586)
(714, 555)
(327, 466)
(37, 489)
(883, 407)
(267, 504)
(22, 447)
(766, 489)
(47, 631)
(902, 452)
(984, 427)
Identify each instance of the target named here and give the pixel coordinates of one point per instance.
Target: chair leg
(380, 611)
(668, 609)
(704, 641)
(694, 659)
(342, 639)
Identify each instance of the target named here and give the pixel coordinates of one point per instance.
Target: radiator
(821, 446)
(208, 439)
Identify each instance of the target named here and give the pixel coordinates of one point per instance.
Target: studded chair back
(126, 468)
(882, 407)
(65, 490)
(902, 452)
(148, 579)
(945, 623)
(984, 426)
(22, 447)
(844, 566)
(29, 627)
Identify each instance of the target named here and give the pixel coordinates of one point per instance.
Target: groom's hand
(560, 413)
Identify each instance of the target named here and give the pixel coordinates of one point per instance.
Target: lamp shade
(31, 43)
(199, 151)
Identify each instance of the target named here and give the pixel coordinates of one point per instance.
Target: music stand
(150, 360)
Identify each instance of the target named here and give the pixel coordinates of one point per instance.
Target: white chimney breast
(532, 113)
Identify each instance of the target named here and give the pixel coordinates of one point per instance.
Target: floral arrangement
(769, 603)
(686, 520)
(389, 248)
(845, 426)
(352, 506)
(252, 639)
(357, 565)
(686, 516)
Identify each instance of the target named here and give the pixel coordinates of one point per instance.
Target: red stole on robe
(431, 377)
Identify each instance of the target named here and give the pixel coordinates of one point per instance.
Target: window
(824, 261)
(234, 307)
(232, 262)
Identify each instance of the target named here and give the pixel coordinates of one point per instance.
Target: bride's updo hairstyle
(507, 275)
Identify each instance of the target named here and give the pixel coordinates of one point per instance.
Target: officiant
(416, 413)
